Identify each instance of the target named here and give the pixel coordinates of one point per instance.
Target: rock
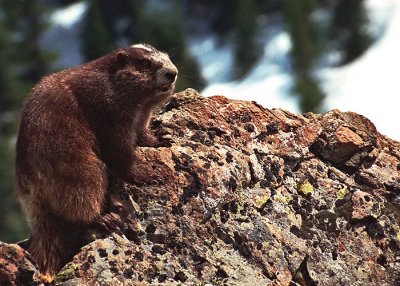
(364, 206)
(17, 267)
(249, 196)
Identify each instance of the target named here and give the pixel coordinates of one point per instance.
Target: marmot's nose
(171, 76)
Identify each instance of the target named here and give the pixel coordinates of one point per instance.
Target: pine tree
(224, 20)
(246, 50)
(12, 226)
(35, 61)
(136, 32)
(310, 93)
(349, 29)
(8, 84)
(96, 41)
(22, 63)
(304, 52)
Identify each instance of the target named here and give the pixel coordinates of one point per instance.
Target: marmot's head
(141, 70)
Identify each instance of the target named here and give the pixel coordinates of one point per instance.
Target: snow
(268, 83)
(67, 17)
(215, 61)
(370, 86)
(63, 37)
(379, 12)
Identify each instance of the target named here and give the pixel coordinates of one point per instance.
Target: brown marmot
(78, 127)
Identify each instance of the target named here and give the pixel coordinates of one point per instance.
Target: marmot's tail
(53, 243)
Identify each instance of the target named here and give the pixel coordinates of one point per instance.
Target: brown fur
(78, 127)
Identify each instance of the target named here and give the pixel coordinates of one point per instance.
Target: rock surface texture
(247, 196)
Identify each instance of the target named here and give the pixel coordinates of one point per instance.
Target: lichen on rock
(250, 196)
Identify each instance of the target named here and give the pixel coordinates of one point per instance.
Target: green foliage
(302, 33)
(12, 226)
(34, 61)
(22, 63)
(225, 14)
(95, 37)
(304, 52)
(311, 95)
(246, 49)
(349, 29)
(137, 19)
(8, 83)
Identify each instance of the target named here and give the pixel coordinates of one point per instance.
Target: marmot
(78, 127)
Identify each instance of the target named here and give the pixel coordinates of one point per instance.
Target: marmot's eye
(145, 63)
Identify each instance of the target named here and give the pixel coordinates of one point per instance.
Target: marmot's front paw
(109, 223)
(147, 140)
(164, 142)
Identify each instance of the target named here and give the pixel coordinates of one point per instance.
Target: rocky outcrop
(248, 196)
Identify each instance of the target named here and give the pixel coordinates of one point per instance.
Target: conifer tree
(349, 29)
(246, 51)
(35, 61)
(95, 37)
(12, 226)
(136, 32)
(304, 52)
(8, 84)
(225, 15)
(22, 63)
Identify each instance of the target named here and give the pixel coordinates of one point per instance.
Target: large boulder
(248, 196)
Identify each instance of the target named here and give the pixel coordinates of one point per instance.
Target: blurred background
(299, 55)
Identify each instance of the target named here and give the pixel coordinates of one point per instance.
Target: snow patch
(268, 83)
(215, 60)
(64, 36)
(370, 86)
(67, 17)
(379, 13)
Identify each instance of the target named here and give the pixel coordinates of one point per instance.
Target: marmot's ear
(121, 58)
